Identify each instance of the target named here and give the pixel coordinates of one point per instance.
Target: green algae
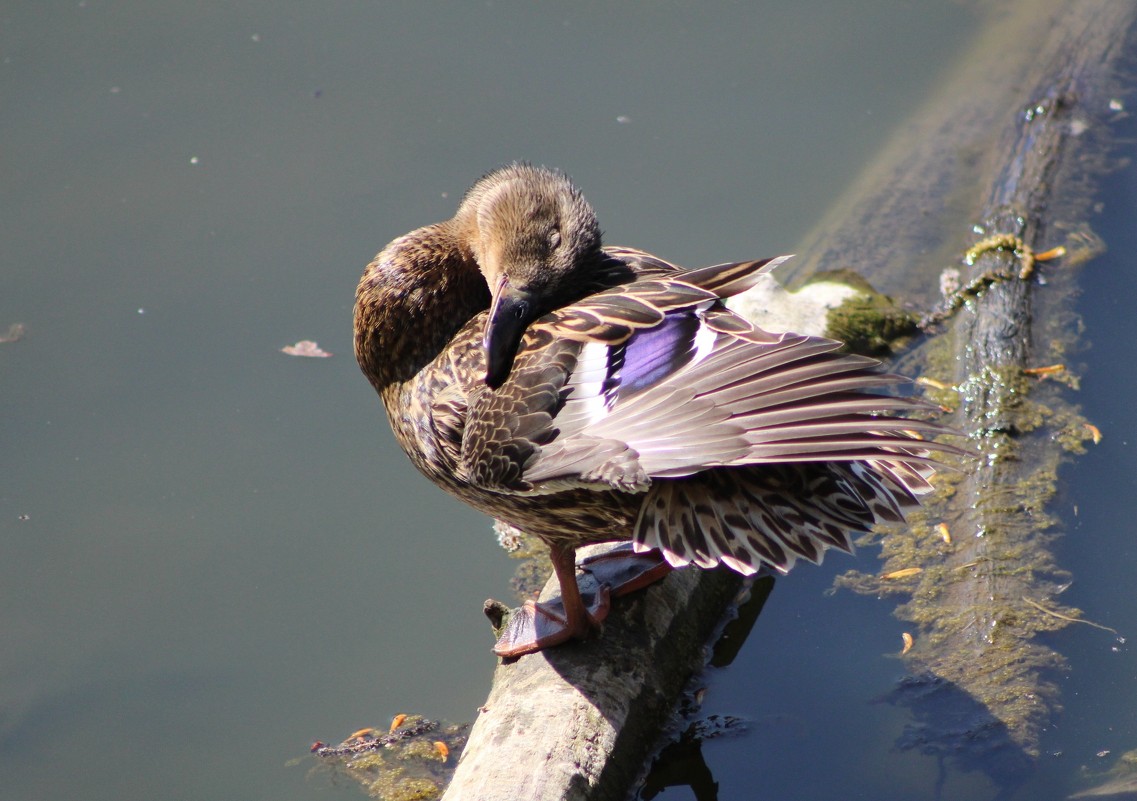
(867, 322)
(534, 567)
(1119, 780)
(871, 324)
(973, 570)
(413, 762)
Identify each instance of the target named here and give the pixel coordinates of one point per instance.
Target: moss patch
(867, 322)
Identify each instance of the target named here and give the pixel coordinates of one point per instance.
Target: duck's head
(534, 237)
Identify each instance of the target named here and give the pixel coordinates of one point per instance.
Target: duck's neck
(411, 301)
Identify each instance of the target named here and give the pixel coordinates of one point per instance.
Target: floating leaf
(15, 333)
(305, 347)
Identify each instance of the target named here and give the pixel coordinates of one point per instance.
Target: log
(982, 683)
(909, 213)
(579, 722)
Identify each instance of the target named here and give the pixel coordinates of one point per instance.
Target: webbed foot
(615, 571)
(542, 625)
(624, 569)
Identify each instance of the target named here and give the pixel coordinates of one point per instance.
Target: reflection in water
(681, 763)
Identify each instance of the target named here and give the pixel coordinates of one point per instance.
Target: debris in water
(903, 573)
(15, 333)
(411, 761)
(944, 532)
(1042, 372)
(305, 347)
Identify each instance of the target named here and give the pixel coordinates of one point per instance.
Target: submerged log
(579, 722)
(982, 684)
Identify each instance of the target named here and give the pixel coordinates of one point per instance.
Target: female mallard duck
(585, 393)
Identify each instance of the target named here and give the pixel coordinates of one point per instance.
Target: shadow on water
(955, 728)
(946, 723)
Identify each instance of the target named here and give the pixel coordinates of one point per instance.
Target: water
(211, 553)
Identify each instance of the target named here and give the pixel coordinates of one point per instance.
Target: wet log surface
(579, 722)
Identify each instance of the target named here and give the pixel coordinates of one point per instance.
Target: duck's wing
(768, 514)
(752, 447)
(568, 371)
(657, 379)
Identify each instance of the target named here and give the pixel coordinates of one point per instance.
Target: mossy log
(579, 722)
(992, 150)
(982, 684)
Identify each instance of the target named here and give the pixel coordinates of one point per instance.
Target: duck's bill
(510, 314)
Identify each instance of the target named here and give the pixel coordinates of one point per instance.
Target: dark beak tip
(494, 381)
(510, 314)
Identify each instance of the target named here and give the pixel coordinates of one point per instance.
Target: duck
(586, 393)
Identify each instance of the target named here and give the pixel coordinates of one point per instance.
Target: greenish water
(212, 554)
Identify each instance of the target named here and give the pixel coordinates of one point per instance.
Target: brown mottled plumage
(585, 393)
